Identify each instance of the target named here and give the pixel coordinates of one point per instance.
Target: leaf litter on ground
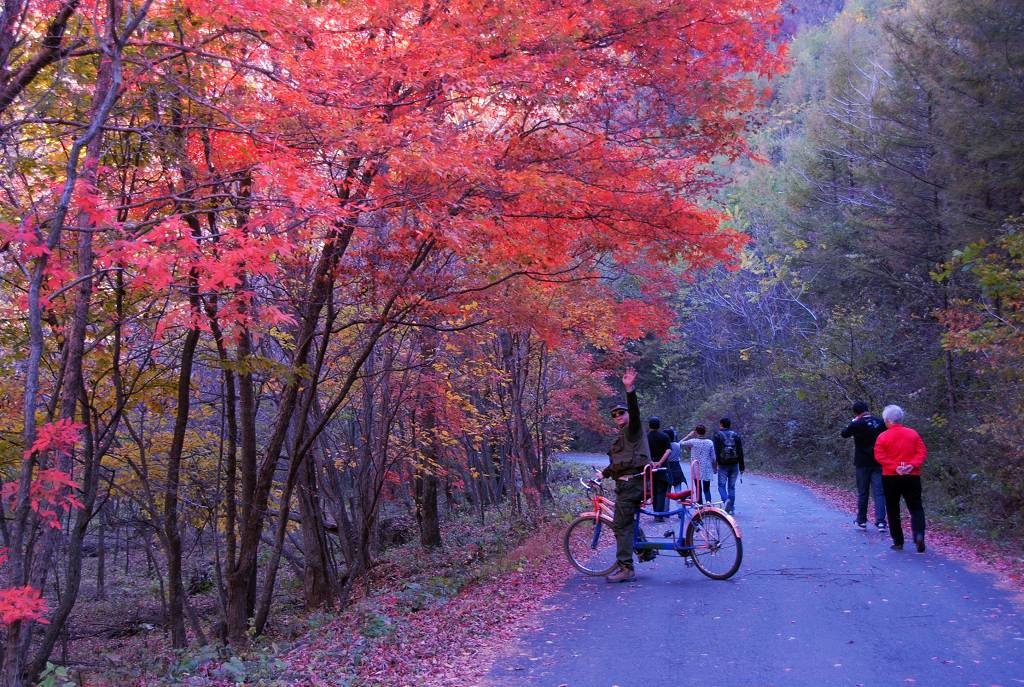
(440, 618)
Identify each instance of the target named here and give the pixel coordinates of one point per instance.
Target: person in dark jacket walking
(729, 456)
(864, 429)
(659, 443)
(628, 455)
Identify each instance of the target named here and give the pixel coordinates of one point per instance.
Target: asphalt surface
(816, 602)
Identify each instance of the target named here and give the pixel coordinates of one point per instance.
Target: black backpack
(730, 454)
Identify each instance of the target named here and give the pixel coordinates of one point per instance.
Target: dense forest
(284, 281)
(885, 257)
(285, 286)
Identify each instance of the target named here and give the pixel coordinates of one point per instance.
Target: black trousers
(675, 473)
(660, 489)
(701, 491)
(907, 487)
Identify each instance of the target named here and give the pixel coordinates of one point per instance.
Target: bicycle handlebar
(651, 470)
(596, 483)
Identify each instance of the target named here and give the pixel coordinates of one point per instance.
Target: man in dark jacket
(729, 456)
(628, 455)
(659, 443)
(864, 429)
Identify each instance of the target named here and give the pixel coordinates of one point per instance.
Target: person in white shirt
(702, 452)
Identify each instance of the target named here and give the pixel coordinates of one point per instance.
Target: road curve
(817, 602)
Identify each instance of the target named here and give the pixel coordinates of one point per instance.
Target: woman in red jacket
(901, 453)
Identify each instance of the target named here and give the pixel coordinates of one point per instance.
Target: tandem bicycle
(707, 537)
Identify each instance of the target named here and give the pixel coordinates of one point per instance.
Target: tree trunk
(101, 557)
(426, 509)
(171, 531)
(108, 82)
(240, 600)
(251, 530)
(317, 585)
(255, 500)
(426, 474)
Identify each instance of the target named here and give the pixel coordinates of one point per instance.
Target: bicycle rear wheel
(590, 545)
(717, 547)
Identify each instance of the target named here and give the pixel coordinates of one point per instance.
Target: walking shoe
(862, 525)
(728, 506)
(896, 547)
(881, 525)
(623, 574)
(919, 541)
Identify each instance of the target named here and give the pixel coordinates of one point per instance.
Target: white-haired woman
(901, 453)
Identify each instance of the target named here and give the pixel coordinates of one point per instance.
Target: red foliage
(51, 493)
(59, 436)
(21, 603)
(524, 159)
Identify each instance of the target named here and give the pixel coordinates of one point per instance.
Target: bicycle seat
(679, 495)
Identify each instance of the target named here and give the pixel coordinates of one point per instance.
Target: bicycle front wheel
(717, 547)
(589, 545)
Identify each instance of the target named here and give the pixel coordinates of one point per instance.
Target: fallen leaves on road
(978, 553)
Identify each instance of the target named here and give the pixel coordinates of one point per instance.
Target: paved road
(817, 602)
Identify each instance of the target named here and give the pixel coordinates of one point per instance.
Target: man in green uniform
(628, 455)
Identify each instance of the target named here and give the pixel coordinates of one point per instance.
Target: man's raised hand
(629, 379)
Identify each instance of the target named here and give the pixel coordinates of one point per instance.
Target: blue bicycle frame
(640, 542)
(677, 544)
